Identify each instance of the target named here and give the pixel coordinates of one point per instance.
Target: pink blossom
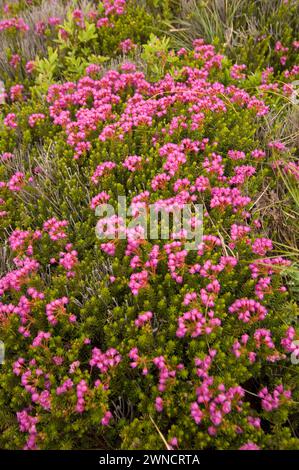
(127, 45)
(261, 245)
(138, 281)
(34, 118)
(143, 318)
(248, 309)
(249, 446)
(159, 404)
(107, 418)
(55, 309)
(10, 121)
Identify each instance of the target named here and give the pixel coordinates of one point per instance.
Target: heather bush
(260, 34)
(262, 37)
(54, 41)
(137, 343)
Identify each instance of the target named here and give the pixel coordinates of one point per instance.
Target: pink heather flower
(263, 336)
(212, 431)
(236, 155)
(73, 366)
(18, 366)
(105, 360)
(15, 278)
(72, 318)
(63, 34)
(27, 424)
(196, 324)
(133, 355)
(292, 168)
(82, 390)
(153, 258)
(128, 67)
(213, 164)
(291, 73)
(160, 181)
(54, 20)
(239, 232)
(132, 163)
(267, 73)
(99, 199)
(102, 170)
(14, 23)
(55, 228)
(81, 148)
(68, 260)
(127, 45)
(138, 281)
(22, 240)
(173, 442)
(143, 318)
(78, 17)
(258, 154)
(93, 69)
(263, 287)
(108, 248)
(196, 413)
(65, 387)
(34, 118)
(110, 227)
(236, 72)
(58, 360)
(15, 60)
(38, 340)
(116, 7)
(280, 48)
(104, 22)
(255, 422)
(241, 174)
(248, 309)
(166, 374)
(175, 158)
(258, 106)
(273, 401)
(6, 156)
(277, 145)
(261, 245)
(10, 120)
(181, 52)
(288, 342)
(40, 28)
(56, 308)
(202, 183)
(107, 418)
(30, 66)
(16, 182)
(189, 298)
(249, 446)
(267, 266)
(222, 197)
(16, 92)
(159, 404)
(181, 184)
